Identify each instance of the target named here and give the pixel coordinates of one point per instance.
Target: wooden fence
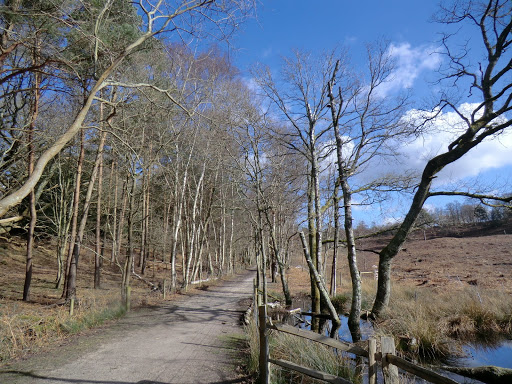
(386, 357)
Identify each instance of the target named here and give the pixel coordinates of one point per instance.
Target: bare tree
(364, 123)
(489, 80)
(301, 98)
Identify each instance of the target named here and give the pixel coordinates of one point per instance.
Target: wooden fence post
(71, 307)
(264, 364)
(164, 287)
(390, 371)
(255, 299)
(372, 363)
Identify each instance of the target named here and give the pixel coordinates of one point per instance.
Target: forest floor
(192, 339)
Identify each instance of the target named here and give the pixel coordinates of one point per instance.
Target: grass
(23, 329)
(253, 343)
(44, 321)
(436, 323)
(300, 351)
(341, 302)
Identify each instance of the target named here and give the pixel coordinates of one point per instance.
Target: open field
(447, 260)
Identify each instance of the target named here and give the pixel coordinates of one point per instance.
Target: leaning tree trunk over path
(15, 198)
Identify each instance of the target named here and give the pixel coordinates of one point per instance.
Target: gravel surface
(189, 340)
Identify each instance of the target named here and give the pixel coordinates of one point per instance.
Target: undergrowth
(436, 324)
(27, 331)
(300, 351)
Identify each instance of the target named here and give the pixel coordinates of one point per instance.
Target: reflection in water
(304, 322)
(478, 355)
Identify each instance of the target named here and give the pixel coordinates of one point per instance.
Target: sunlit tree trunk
(71, 287)
(32, 195)
(74, 219)
(98, 261)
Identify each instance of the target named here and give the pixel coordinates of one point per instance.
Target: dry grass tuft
(23, 329)
(437, 323)
(299, 351)
(309, 354)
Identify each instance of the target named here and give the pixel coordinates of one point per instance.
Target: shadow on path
(86, 381)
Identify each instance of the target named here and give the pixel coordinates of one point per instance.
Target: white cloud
(410, 63)
(490, 154)
(329, 157)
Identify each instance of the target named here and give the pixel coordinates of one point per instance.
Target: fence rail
(386, 356)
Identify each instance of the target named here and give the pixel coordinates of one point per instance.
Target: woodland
(118, 136)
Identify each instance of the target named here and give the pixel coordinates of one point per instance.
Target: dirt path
(191, 340)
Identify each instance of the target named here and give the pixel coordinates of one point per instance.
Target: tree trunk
(336, 322)
(98, 261)
(32, 196)
(74, 220)
(193, 227)
(336, 207)
(422, 193)
(63, 212)
(122, 215)
(128, 264)
(280, 263)
(113, 172)
(71, 287)
(98, 248)
(146, 227)
(142, 250)
(355, 308)
(315, 293)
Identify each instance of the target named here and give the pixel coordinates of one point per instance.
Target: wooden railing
(387, 358)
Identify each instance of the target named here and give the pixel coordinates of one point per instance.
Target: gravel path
(190, 340)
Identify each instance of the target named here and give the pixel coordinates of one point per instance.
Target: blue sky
(322, 25)
(316, 26)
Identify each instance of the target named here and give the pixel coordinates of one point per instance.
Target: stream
(499, 354)
(480, 355)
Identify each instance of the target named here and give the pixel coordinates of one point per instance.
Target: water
(476, 355)
(344, 332)
(479, 355)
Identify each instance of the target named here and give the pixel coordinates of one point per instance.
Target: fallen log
(488, 374)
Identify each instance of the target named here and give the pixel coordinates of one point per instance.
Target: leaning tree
(486, 79)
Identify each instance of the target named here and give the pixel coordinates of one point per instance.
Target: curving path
(189, 340)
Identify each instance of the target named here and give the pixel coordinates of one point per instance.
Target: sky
(322, 25)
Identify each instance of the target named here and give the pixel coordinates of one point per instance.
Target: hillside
(440, 258)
